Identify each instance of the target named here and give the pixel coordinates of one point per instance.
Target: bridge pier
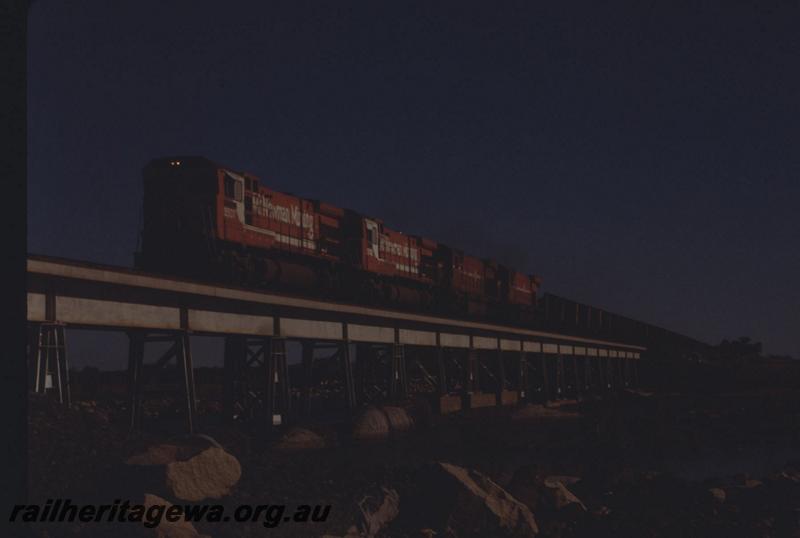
(47, 353)
(586, 370)
(576, 375)
(348, 381)
(441, 366)
(606, 382)
(559, 377)
(257, 381)
(138, 377)
(398, 386)
(307, 363)
(547, 385)
(522, 385)
(366, 364)
(500, 385)
(624, 373)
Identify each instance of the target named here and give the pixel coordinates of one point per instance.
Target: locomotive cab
(178, 212)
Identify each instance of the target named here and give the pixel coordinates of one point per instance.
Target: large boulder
(371, 425)
(378, 423)
(377, 515)
(468, 503)
(399, 419)
(718, 494)
(560, 496)
(300, 439)
(209, 475)
(190, 471)
(556, 507)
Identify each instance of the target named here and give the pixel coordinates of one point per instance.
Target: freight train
(206, 221)
(565, 316)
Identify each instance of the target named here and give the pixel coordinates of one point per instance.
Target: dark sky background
(642, 158)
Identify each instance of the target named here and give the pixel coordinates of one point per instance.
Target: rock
(399, 419)
(481, 503)
(427, 533)
(751, 483)
(527, 486)
(560, 495)
(300, 439)
(377, 519)
(170, 529)
(209, 475)
(189, 472)
(371, 425)
(718, 494)
(547, 495)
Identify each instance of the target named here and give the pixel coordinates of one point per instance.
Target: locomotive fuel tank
(407, 296)
(285, 274)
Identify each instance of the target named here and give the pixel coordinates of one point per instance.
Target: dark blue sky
(643, 159)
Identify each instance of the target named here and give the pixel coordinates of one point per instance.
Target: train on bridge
(205, 221)
(220, 254)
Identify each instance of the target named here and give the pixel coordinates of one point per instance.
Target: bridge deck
(89, 295)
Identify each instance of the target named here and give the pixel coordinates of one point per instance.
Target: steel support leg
(234, 365)
(602, 363)
(362, 369)
(587, 374)
(184, 355)
(398, 386)
(135, 360)
(270, 381)
(625, 381)
(308, 377)
(443, 389)
(181, 351)
(576, 376)
(501, 376)
(559, 377)
(347, 376)
(545, 378)
(471, 372)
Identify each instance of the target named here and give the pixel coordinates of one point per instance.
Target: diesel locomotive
(206, 221)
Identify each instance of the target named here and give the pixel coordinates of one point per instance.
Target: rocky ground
(631, 464)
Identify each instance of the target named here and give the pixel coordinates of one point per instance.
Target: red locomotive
(206, 221)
